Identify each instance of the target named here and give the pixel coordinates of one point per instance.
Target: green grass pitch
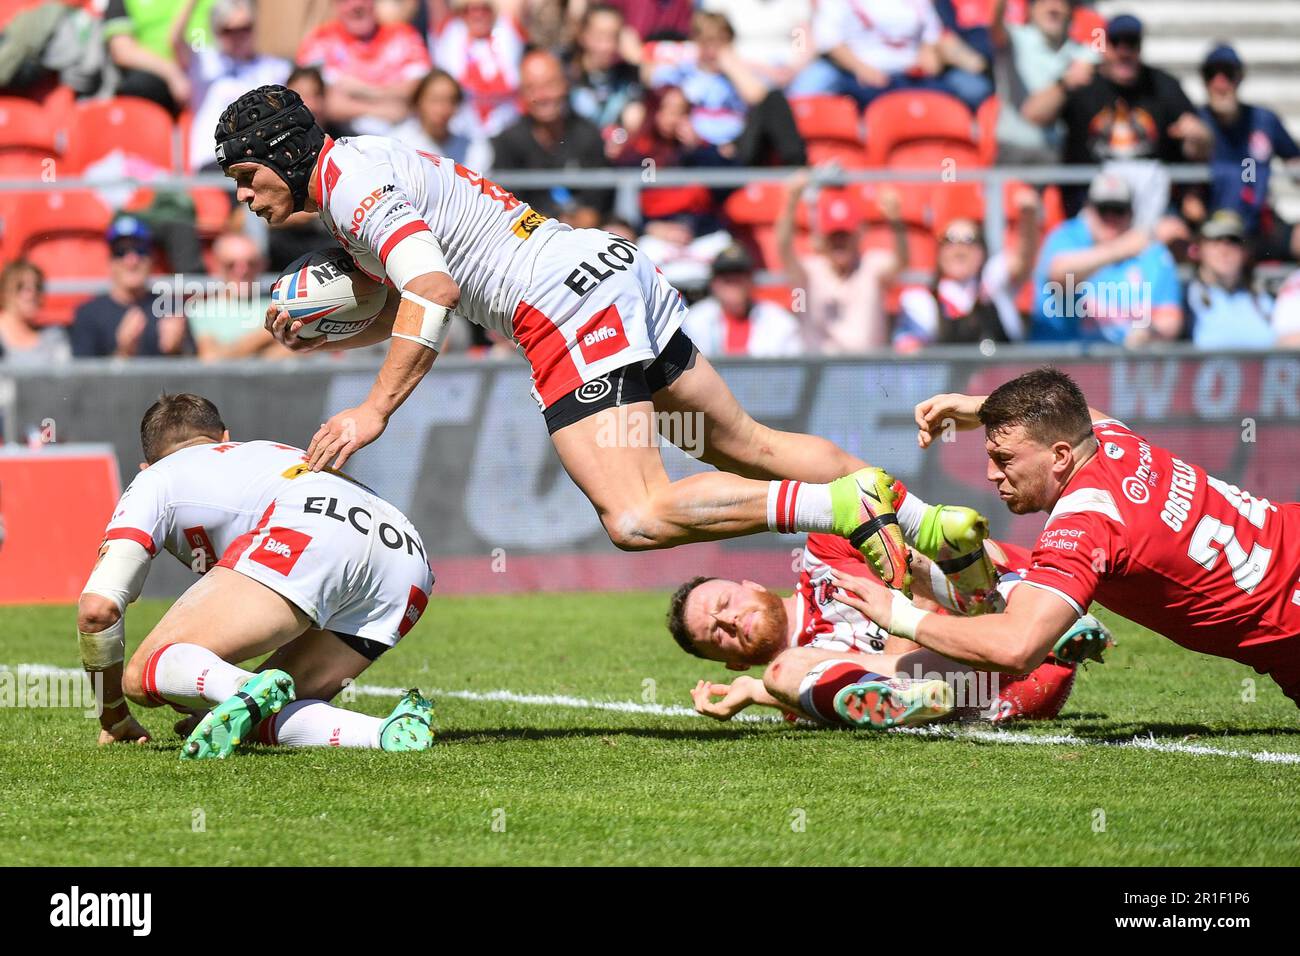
(522, 783)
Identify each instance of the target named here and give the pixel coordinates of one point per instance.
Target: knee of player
(133, 683)
(96, 613)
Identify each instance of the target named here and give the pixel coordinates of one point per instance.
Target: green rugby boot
(953, 538)
(897, 702)
(230, 722)
(862, 506)
(409, 726)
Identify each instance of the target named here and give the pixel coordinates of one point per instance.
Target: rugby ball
(328, 293)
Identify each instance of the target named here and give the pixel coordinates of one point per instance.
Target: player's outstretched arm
(419, 328)
(114, 583)
(1015, 641)
(956, 412)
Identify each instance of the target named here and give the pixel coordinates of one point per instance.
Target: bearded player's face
(1021, 470)
(264, 192)
(738, 623)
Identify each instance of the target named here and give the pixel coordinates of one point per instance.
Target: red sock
(820, 685)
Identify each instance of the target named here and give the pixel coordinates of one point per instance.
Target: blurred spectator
(731, 322)
(308, 83)
(771, 35)
(23, 340)
(966, 46)
(657, 19)
(227, 323)
(435, 102)
(602, 83)
(1223, 311)
(870, 47)
(482, 49)
(551, 136)
(1036, 65)
(122, 321)
(973, 296)
(370, 69)
(138, 34)
(732, 110)
(843, 288)
(1130, 111)
(1246, 138)
(1286, 313)
(1100, 279)
(219, 75)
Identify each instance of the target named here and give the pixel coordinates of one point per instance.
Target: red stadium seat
(755, 204)
(62, 232)
(832, 130)
(28, 138)
(920, 129)
(986, 122)
(134, 126)
(916, 214)
(1087, 27)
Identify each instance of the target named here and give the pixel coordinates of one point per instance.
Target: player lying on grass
(308, 567)
(825, 661)
(1130, 526)
(598, 323)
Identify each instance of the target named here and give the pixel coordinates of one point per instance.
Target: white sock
(911, 512)
(794, 506)
(314, 723)
(189, 674)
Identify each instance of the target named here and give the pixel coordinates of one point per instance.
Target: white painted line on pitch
(1001, 737)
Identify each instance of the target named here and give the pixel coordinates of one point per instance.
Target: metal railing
(628, 184)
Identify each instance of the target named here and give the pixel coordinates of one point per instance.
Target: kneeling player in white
(311, 568)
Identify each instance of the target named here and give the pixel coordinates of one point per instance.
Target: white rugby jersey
(195, 502)
(376, 191)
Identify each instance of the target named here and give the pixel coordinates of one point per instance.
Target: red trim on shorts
(242, 543)
(554, 372)
(149, 680)
(132, 534)
(266, 731)
(410, 229)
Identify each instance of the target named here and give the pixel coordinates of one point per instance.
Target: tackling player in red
(598, 323)
(1130, 525)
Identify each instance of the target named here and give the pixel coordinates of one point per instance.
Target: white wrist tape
(433, 327)
(102, 650)
(904, 616)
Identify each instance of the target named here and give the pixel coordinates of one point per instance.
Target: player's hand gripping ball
(329, 295)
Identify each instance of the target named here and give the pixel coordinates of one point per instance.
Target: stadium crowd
(108, 89)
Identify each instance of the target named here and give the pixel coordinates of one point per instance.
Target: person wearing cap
(730, 321)
(1130, 111)
(1246, 137)
(973, 296)
(122, 322)
(1223, 310)
(843, 287)
(1035, 65)
(1101, 279)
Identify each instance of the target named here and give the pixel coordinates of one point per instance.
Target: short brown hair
(677, 615)
(178, 418)
(1046, 401)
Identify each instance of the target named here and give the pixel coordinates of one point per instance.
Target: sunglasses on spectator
(1230, 240)
(236, 31)
(1210, 72)
(1129, 42)
(1115, 209)
(960, 237)
(126, 247)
